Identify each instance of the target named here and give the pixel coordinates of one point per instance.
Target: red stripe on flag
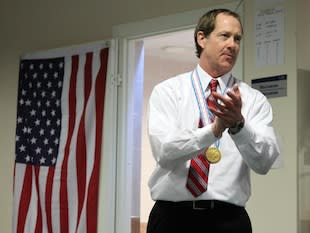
(38, 228)
(93, 188)
(48, 198)
(24, 199)
(64, 218)
(81, 152)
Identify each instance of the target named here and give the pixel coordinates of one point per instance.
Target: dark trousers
(179, 217)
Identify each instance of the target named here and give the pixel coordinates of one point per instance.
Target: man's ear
(200, 35)
(201, 39)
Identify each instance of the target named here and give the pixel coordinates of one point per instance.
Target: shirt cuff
(205, 136)
(243, 135)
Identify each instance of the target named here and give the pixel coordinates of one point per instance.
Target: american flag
(59, 132)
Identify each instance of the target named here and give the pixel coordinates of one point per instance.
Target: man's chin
(227, 66)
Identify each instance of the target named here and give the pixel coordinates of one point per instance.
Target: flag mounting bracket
(116, 80)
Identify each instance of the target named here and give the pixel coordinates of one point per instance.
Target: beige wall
(303, 65)
(274, 200)
(36, 25)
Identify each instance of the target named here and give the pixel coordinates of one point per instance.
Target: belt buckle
(200, 208)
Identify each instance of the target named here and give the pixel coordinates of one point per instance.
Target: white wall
(36, 25)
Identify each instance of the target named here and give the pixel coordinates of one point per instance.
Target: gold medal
(213, 155)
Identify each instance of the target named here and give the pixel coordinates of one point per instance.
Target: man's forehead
(225, 22)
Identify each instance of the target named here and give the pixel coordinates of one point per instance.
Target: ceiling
(176, 45)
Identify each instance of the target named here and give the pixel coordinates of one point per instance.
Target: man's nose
(233, 42)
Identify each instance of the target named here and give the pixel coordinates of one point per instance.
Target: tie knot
(213, 85)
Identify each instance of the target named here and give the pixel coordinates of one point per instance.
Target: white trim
(106, 208)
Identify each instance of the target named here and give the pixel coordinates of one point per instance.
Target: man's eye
(238, 39)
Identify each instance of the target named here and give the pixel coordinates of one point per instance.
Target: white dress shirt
(175, 139)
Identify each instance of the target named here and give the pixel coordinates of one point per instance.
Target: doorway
(176, 49)
(145, 53)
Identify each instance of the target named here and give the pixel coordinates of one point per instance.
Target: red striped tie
(197, 181)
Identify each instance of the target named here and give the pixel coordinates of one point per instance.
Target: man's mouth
(229, 55)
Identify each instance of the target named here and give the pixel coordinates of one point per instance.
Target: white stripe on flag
(42, 184)
(18, 185)
(90, 129)
(32, 212)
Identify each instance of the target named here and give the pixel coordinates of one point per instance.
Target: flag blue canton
(39, 111)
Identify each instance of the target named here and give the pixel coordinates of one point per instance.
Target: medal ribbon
(198, 173)
(205, 114)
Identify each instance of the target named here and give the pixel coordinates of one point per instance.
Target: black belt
(200, 205)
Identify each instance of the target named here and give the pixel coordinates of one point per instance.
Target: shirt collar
(205, 79)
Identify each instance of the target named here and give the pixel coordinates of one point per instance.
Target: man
(207, 131)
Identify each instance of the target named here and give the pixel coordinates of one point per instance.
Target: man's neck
(212, 72)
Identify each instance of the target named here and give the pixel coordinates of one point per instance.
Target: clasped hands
(228, 110)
